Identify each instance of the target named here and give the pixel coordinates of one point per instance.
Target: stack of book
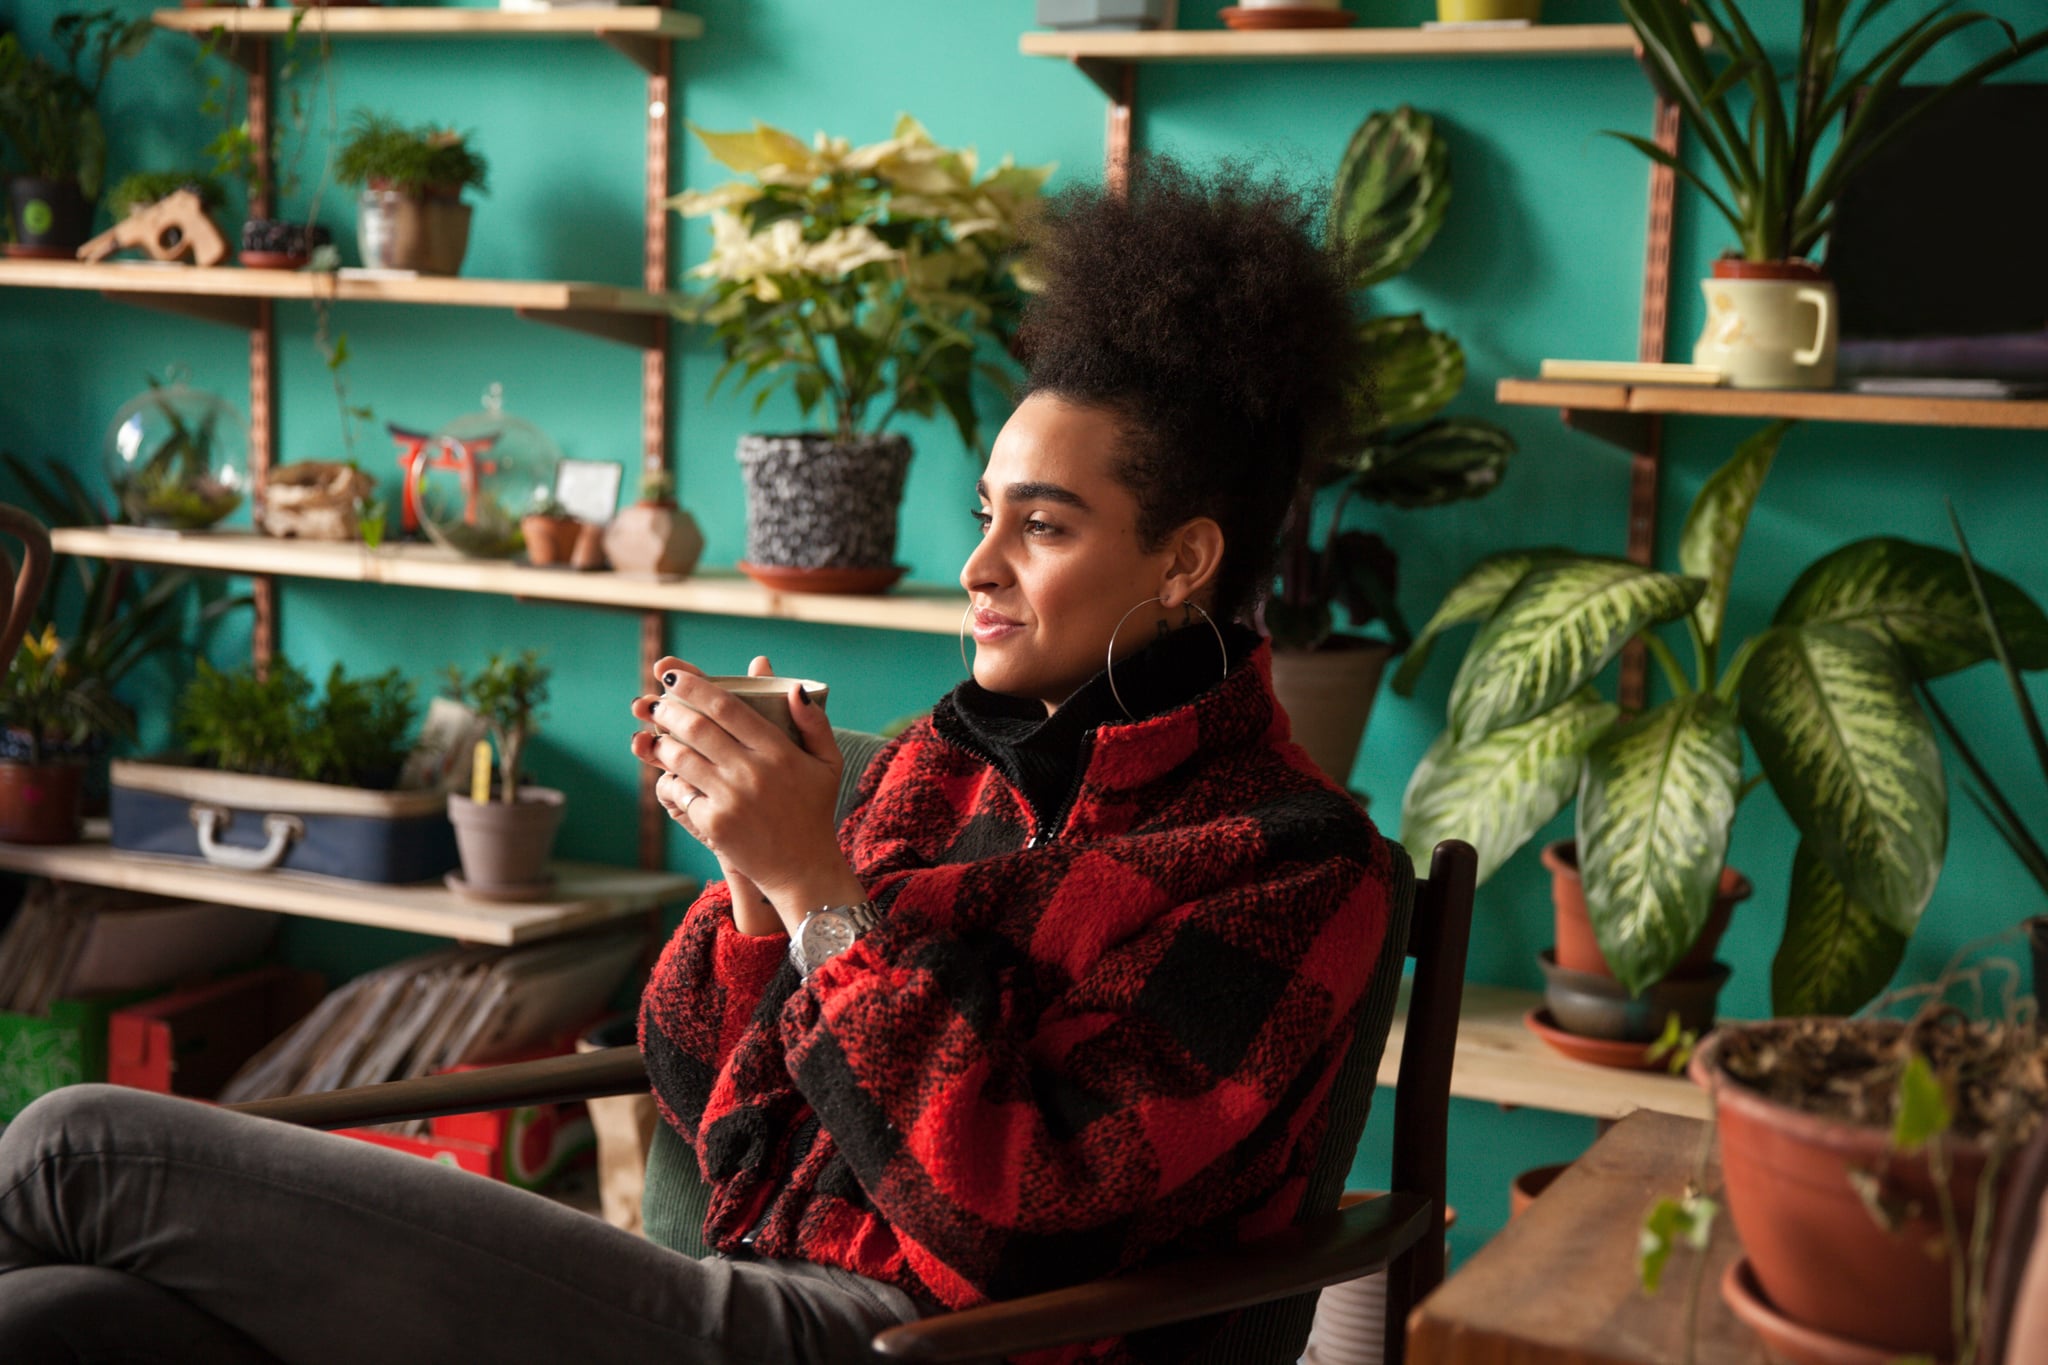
(68, 941)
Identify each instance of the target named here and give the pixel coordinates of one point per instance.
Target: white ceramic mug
(769, 697)
(1770, 334)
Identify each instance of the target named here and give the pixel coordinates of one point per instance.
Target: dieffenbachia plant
(1825, 694)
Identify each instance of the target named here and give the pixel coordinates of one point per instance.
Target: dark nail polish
(668, 679)
(803, 696)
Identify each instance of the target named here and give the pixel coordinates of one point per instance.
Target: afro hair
(1205, 311)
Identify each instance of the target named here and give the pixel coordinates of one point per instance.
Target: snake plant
(1392, 189)
(1825, 694)
(1771, 135)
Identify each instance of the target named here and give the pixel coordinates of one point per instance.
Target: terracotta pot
(550, 540)
(1525, 1187)
(505, 847)
(396, 231)
(654, 538)
(1579, 951)
(1328, 694)
(588, 554)
(1818, 1254)
(40, 803)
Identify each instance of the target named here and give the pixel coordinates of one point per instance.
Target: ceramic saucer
(517, 893)
(1246, 19)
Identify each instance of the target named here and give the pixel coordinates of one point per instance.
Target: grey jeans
(140, 1228)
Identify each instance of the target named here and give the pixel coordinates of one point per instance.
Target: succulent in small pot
(505, 840)
(50, 122)
(275, 244)
(654, 536)
(411, 215)
(550, 533)
(55, 708)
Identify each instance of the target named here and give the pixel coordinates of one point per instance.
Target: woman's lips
(991, 626)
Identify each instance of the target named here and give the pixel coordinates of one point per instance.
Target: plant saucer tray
(250, 823)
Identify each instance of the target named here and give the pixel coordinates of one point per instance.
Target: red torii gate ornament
(414, 461)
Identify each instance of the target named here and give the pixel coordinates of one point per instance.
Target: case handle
(213, 821)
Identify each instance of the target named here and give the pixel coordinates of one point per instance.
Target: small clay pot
(1595, 1006)
(506, 847)
(1526, 1186)
(588, 553)
(40, 803)
(1577, 948)
(550, 540)
(656, 538)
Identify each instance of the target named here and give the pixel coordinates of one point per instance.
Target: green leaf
(1654, 813)
(1392, 188)
(1497, 792)
(1416, 370)
(1836, 955)
(1446, 461)
(1918, 595)
(1670, 1221)
(1471, 598)
(1712, 537)
(1553, 634)
(1924, 1112)
(1853, 759)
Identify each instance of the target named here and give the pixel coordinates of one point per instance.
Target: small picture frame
(589, 489)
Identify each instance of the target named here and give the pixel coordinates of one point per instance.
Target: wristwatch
(829, 931)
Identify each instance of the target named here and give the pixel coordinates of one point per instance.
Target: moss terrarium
(479, 475)
(178, 457)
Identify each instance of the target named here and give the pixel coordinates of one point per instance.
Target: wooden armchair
(1275, 1278)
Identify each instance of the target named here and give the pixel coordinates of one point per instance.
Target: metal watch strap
(865, 915)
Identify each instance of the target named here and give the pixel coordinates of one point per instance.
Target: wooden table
(1558, 1286)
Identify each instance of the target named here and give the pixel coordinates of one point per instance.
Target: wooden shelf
(1348, 44)
(590, 894)
(228, 294)
(1811, 405)
(1500, 1061)
(921, 609)
(634, 30)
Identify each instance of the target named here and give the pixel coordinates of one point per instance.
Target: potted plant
(140, 189)
(1863, 1160)
(864, 279)
(50, 123)
(505, 839)
(1771, 141)
(1825, 696)
(654, 536)
(268, 240)
(411, 215)
(51, 707)
(276, 774)
(1392, 189)
(550, 533)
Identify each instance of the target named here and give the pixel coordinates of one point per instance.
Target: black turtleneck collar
(1042, 753)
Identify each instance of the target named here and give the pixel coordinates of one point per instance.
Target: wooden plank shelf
(637, 31)
(1500, 1061)
(919, 609)
(1808, 405)
(228, 293)
(589, 894)
(1347, 44)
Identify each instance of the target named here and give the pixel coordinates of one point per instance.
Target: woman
(1067, 988)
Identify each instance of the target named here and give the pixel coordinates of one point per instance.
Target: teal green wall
(1541, 256)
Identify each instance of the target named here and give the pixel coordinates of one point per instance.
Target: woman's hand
(763, 805)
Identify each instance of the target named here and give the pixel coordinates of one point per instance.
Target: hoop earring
(964, 662)
(1109, 662)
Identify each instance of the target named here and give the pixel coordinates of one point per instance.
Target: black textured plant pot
(814, 502)
(51, 219)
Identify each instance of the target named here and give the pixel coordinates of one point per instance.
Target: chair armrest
(550, 1080)
(1340, 1246)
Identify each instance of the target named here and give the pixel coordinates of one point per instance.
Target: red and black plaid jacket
(1060, 1051)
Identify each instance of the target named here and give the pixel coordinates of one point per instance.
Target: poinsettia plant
(866, 279)
(1392, 190)
(1825, 694)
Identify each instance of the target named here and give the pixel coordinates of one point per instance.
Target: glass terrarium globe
(477, 476)
(178, 457)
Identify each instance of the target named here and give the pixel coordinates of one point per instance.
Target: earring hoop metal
(1109, 662)
(964, 661)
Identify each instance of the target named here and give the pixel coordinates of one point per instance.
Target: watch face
(826, 934)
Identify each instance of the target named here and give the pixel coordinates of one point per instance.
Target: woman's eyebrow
(1036, 492)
